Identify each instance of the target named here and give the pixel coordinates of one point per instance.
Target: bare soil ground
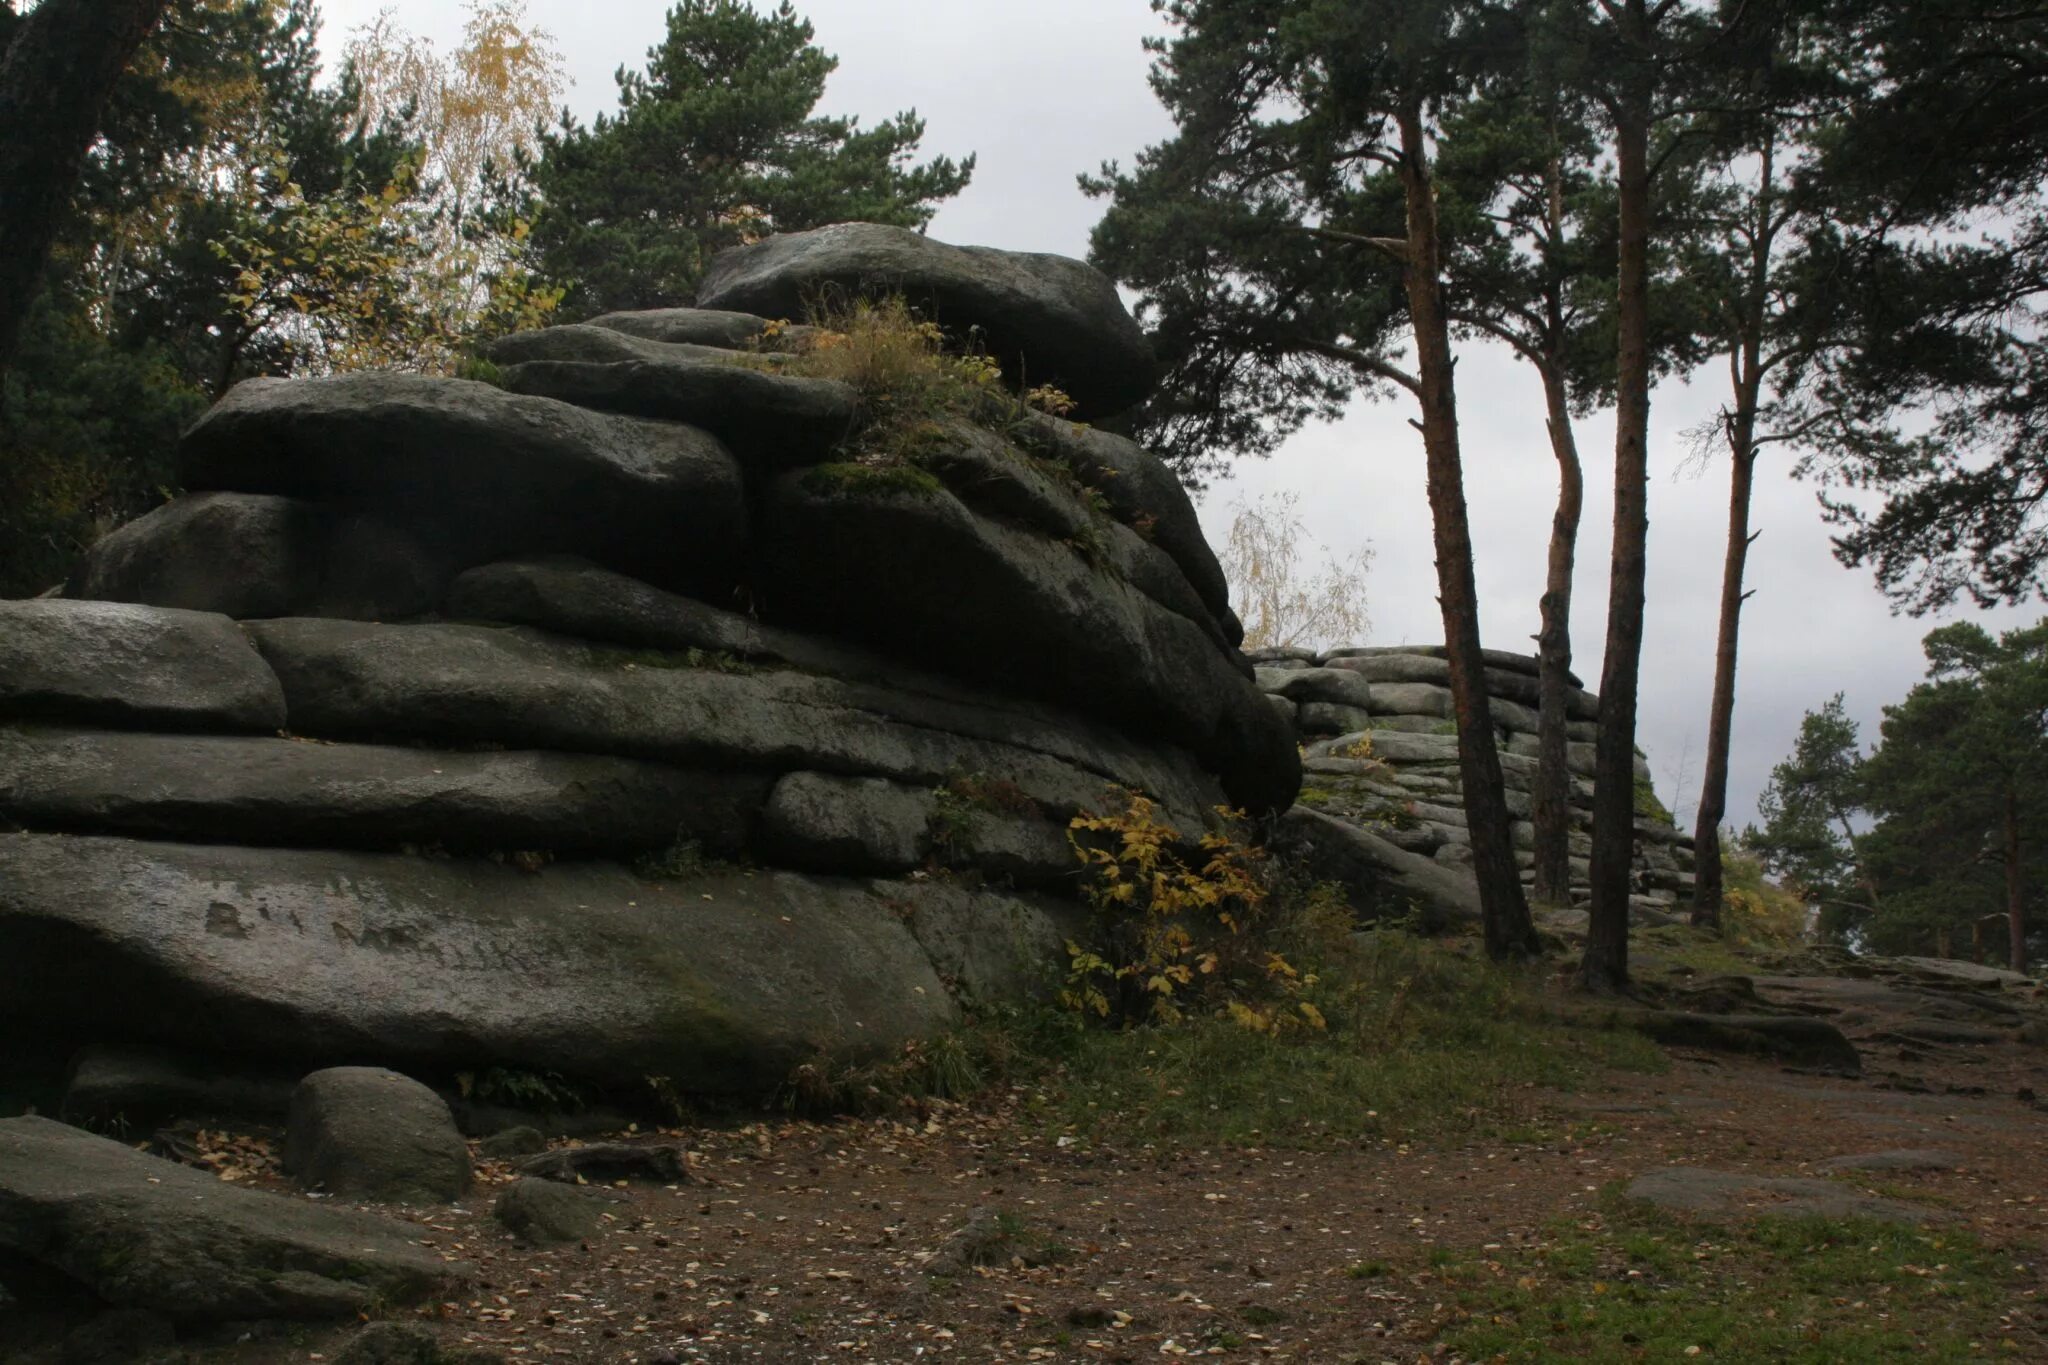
(809, 1241)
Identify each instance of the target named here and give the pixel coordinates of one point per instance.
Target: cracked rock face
(614, 722)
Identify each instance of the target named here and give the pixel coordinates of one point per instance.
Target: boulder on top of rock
(111, 663)
(999, 480)
(143, 1232)
(493, 473)
(1506, 674)
(1390, 746)
(366, 1133)
(287, 791)
(1506, 661)
(720, 979)
(1047, 319)
(1337, 685)
(768, 418)
(256, 554)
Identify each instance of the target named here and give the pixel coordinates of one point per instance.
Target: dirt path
(807, 1242)
(828, 1241)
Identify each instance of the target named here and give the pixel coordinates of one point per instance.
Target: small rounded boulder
(363, 1132)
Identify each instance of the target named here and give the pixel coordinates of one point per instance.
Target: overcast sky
(1040, 92)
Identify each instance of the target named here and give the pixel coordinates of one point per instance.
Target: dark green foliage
(1809, 807)
(1938, 266)
(218, 147)
(1958, 789)
(714, 144)
(1945, 823)
(86, 434)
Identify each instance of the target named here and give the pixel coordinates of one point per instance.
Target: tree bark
(1605, 965)
(2015, 909)
(1747, 366)
(54, 81)
(1509, 931)
(1551, 807)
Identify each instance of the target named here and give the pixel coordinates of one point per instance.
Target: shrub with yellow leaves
(1181, 924)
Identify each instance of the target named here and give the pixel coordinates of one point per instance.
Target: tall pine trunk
(1509, 931)
(1551, 807)
(54, 80)
(1605, 966)
(1708, 882)
(2015, 909)
(1746, 365)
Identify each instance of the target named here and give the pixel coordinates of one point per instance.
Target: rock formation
(1383, 801)
(613, 720)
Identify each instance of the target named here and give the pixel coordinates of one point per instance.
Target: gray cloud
(1044, 91)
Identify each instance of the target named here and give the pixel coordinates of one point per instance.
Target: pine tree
(716, 143)
(1289, 246)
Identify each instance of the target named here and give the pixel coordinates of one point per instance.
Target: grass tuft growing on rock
(909, 382)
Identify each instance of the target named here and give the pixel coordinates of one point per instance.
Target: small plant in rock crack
(517, 1088)
(1180, 925)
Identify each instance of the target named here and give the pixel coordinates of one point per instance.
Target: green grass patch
(1636, 1284)
(871, 476)
(1424, 1039)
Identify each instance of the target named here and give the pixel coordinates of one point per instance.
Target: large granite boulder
(255, 554)
(1057, 625)
(771, 418)
(1048, 319)
(146, 1233)
(492, 472)
(720, 979)
(111, 663)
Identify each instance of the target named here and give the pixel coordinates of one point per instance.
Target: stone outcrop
(1382, 798)
(427, 730)
(146, 1233)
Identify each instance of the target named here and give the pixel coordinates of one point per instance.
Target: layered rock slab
(117, 664)
(721, 981)
(495, 473)
(861, 558)
(475, 684)
(294, 791)
(146, 1233)
(771, 418)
